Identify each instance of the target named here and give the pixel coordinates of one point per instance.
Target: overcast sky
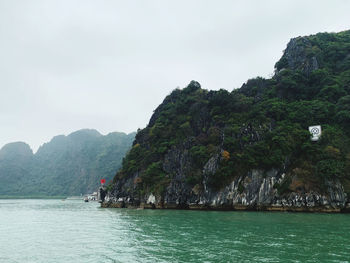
(107, 64)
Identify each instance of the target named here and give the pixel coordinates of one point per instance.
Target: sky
(107, 64)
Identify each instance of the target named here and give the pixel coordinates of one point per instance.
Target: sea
(43, 231)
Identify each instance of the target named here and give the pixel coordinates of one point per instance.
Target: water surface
(43, 231)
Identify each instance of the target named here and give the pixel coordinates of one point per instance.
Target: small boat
(86, 199)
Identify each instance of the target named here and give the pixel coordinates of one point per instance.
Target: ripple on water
(74, 231)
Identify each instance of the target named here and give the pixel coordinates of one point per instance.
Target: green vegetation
(67, 165)
(262, 125)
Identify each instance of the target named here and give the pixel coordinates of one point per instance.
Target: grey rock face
(297, 57)
(254, 191)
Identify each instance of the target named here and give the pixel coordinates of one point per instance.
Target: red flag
(103, 181)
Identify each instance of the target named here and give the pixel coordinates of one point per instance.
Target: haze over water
(73, 231)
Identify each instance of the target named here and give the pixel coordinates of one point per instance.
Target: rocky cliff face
(255, 191)
(250, 148)
(296, 56)
(258, 189)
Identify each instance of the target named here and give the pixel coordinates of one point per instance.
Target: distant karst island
(65, 166)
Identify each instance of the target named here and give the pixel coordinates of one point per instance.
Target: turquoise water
(74, 231)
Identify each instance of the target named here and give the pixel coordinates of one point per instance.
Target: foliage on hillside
(67, 165)
(262, 125)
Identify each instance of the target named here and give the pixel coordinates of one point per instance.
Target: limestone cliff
(250, 148)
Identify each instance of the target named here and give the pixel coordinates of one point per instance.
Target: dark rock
(296, 57)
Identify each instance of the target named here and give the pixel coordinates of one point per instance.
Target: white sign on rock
(315, 132)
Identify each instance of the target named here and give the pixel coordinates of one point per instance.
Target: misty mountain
(67, 165)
